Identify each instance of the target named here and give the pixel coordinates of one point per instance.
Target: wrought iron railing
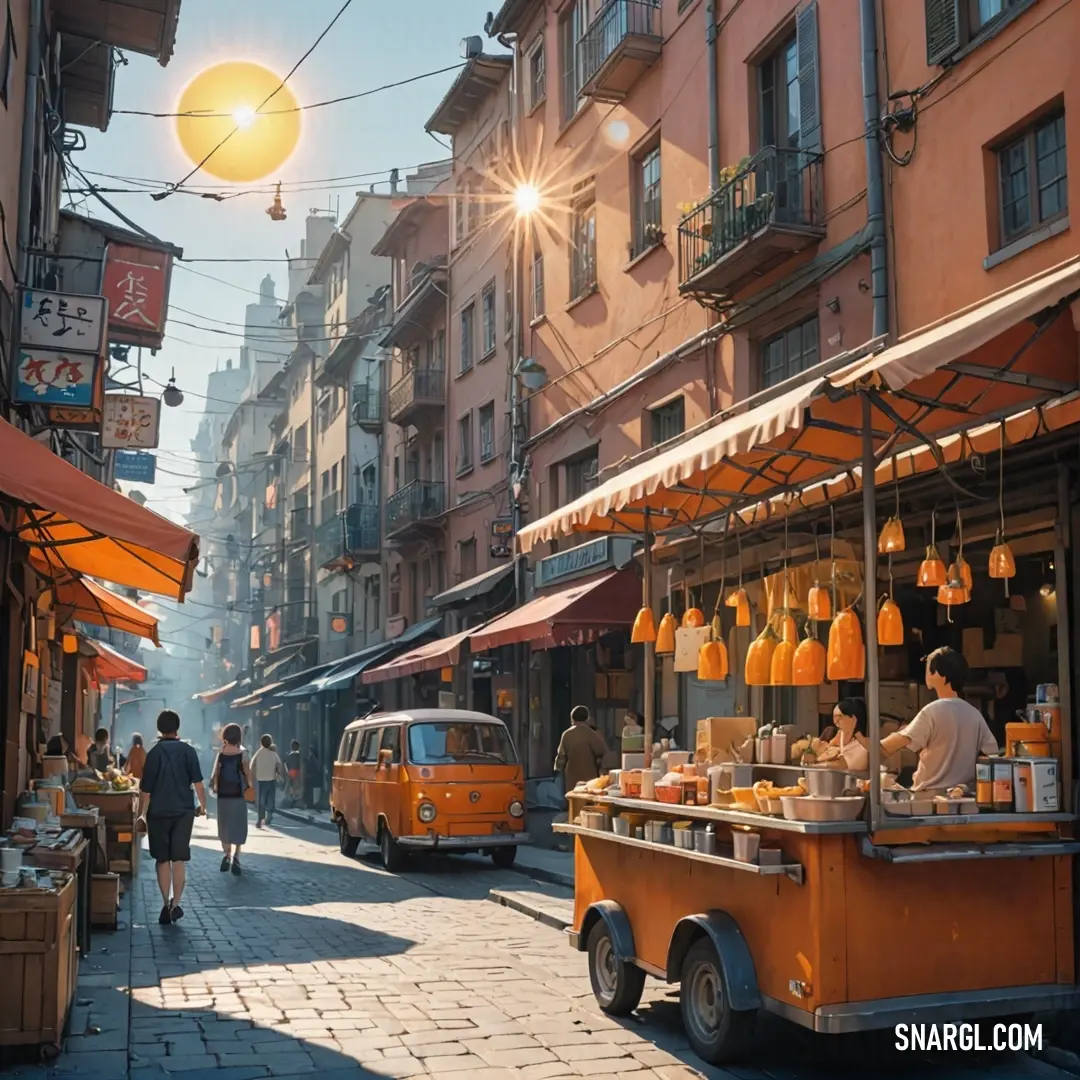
(420, 500)
(779, 186)
(617, 20)
(366, 404)
(348, 532)
(420, 384)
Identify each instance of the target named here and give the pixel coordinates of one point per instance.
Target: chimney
(394, 175)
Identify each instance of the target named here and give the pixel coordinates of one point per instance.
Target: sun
(226, 98)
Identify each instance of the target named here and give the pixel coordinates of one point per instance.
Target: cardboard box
(620, 685)
(716, 734)
(104, 900)
(1008, 651)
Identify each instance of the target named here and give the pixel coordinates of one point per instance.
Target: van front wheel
(389, 852)
(346, 841)
(503, 857)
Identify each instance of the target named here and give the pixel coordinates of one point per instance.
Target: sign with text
(135, 466)
(61, 321)
(136, 285)
(50, 377)
(502, 538)
(608, 552)
(129, 423)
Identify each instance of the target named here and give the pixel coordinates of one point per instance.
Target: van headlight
(517, 809)
(426, 812)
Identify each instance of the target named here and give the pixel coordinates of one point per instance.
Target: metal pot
(827, 782)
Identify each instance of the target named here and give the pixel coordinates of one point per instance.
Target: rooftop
(480, 77)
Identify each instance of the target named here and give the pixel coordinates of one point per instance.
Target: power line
(220, 281)
(292, 71)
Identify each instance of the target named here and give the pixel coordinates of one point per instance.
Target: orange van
(429, 780)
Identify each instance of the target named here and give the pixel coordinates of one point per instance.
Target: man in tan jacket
(581, 750)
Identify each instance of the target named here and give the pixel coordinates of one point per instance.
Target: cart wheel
(717, 1033)
(49, 1052)
(617, 985)
(389, 852)
(347, 843)
(503, 857)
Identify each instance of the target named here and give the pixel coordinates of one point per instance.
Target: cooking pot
(827, 782)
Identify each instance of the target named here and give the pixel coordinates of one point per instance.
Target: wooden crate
(104, 900)
(37, 964)
(117, 807)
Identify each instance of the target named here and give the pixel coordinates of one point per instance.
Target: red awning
(112, 666)
(430, 657)
(211, 697)
(572, 615)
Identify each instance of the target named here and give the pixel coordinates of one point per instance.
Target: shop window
(487, 304)
(465, 440)
(789, 353)
(467, 557)
(668, 420)
(468, 321)
(645, 185)
(1033, 179)
(583, 244)
(537, 68)
(582, 475)
(953, 26)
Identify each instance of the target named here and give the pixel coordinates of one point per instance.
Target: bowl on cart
(821, 808)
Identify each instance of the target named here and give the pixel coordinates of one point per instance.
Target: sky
(375, 42)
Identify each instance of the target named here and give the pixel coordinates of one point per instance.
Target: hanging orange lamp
(1002, 561)
(758, 669)
(961, 571)
(891, 537)
(846, 658)
(808, 663)
(741, 603)
(932, 573)
(780, 667)
(818, 603)
(890, 623)
(712, 661)
(693, 618)
(644, 629)
(665, 635)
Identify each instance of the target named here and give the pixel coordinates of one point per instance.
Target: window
(668, 420)
(345, 747)
(583, 246)
(537, 74)
(445, 743)
(790, 352)
(391, 740)
(538, 285)
(324, 413)
(467, 558)
(487, 304)
(789, 108)
(487, 431)
(1033, 180)
(300, 443)
(369, 747)
(8, 52)
(464, 443)
(646, 189)
(437, 351)
(468, 318)
(778, 81)
(953, 24)
(582, 475)
(571, 27)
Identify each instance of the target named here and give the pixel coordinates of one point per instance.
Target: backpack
(230, 783)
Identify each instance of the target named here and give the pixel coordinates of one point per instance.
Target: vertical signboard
(136, 284)
(129, 422)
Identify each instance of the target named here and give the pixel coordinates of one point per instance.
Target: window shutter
(806, 30)
(942, 30)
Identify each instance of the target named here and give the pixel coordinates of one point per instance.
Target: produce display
(110, 780)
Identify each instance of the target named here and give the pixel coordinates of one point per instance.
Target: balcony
(770, 210)
(345, 536)
(622, 43)
(367, 410)
(417, 504)
(299, 525)
(418, 396)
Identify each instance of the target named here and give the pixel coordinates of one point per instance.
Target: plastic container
(684, 836)
(770, 856)
(1047, 694)
(1003, 785)
(778, 747)
(763, 751)
(984, 783)
(620, 826)
(705, 840)
(746, 845)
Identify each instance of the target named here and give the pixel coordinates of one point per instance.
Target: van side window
(369, 747)
(345, 746)
(391, 740)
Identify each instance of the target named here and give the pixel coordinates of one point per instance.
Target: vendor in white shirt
(948, 734)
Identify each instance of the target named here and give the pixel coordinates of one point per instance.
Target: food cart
(848, 912)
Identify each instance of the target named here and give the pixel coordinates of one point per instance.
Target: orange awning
(111, 666)
(211, 697)
(982, 364)
(72, 523)
(81, 600)
(430, 657)
(572, 615)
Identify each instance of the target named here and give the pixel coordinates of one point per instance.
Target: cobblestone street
(312, 963)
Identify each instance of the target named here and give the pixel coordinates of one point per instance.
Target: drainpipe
(714, 108)
(875, 188)
(29, 137)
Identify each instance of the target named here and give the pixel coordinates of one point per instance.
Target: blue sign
(135, 466)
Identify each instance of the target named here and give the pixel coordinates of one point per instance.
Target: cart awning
(430, 657)
(79, 599)
(112, 666)
(1013, 351)
(212, 697)
(466, 591)
(72, 523)
(572, 615)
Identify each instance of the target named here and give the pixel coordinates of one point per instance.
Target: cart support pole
(650, 651)
(869, 492)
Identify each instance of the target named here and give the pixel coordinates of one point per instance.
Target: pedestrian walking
(292, 771)
(266, 767)
(136, 758)
(167, 810)
(230, 779)
(581, 750)
(312, 771)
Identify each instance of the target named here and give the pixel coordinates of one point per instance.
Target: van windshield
(449, 743)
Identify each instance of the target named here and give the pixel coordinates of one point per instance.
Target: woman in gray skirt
(229, 781)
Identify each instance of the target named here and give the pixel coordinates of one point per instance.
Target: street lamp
(172, 395)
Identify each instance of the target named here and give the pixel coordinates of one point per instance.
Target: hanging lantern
(70, 644)
(780, 667)
(741, 603)
(787, 627)
(1002, 561)
(818, 603)
(932, 572)
(276, 211)
(890, 623)
(952, 593)
(644, 627)
(891, 538)
(808, 663)
(665, 635)
(846, 658)
(693, 619)
(712, 661)
(759, 658)
(961, 571)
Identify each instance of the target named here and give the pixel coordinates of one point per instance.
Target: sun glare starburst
(244, 115)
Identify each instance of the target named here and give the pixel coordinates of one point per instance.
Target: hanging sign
(129, 423)
(30, 672)
(135, 466)
(502, 538)
(136, 284)
(49, 377)
(62, 321)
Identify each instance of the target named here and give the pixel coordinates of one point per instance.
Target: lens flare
(244, 117)
(527, 199)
